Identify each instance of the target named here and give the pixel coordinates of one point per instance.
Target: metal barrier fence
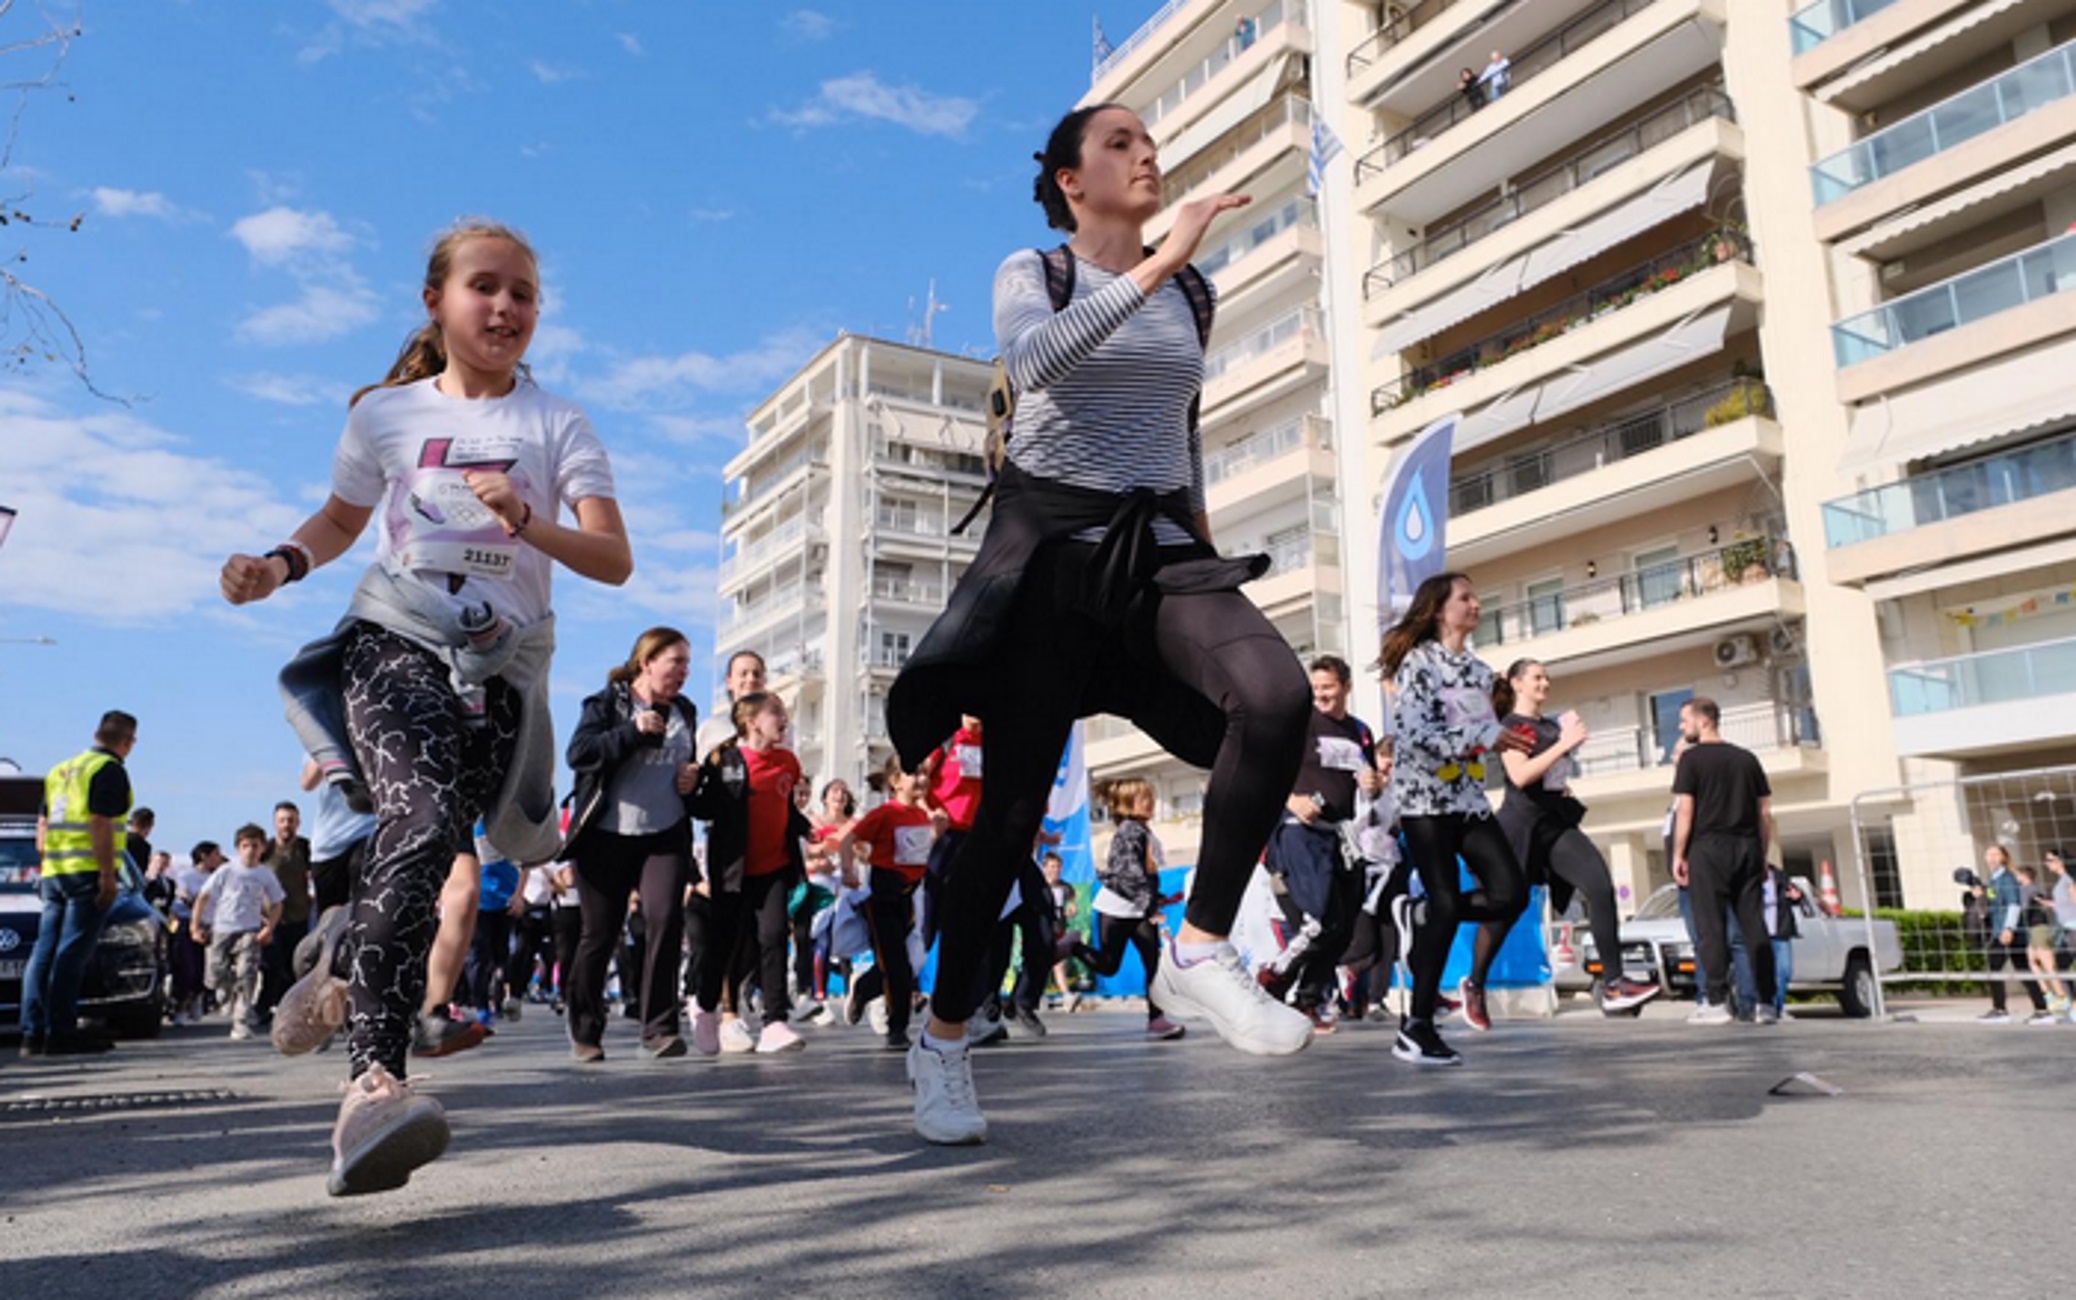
(1926, 835)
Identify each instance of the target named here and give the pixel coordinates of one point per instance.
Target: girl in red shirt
(898, 836)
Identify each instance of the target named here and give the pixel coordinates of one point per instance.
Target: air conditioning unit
(1737, 651)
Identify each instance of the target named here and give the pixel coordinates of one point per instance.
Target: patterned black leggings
(431, 772)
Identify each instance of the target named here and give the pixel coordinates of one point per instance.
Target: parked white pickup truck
(1831, 953)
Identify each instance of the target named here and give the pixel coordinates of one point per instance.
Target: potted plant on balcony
(1745, 560)
(1746, 398)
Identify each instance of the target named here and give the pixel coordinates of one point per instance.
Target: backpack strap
(1201, 305)
(1059, 275)
(1058, 266)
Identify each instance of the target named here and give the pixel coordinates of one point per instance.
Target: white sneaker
(947, 1111)
(1219, 989)
(778, 1036)
(1070, 1002)
(876, 1016)
(1710, 1014)
(240, 1031)
(736, 1037)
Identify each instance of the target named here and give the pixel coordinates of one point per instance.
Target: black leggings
(432, 773)
(533, 945)
(889, 915)
(2014, 955)
(1567, 855)
(568, 922)
(762, 931)
(1113, 935)
(1435, 843)
(1174, 653)
(609, 868)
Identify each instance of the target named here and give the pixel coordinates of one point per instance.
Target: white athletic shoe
(736, 1037)
(876, 1016)
(1219, 989)
(1710, 1013)
(778, 1036)
(947, 1111)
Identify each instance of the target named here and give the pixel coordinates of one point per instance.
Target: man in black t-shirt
(1318, 890)
(142, 823)
(1723, 809)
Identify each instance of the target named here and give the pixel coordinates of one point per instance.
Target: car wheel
(1859, 992)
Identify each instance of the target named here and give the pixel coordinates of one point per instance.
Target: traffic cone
(1827, 888)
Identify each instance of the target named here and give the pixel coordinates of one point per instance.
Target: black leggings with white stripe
(1435, 844)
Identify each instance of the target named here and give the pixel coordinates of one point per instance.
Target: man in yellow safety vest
(81, 838)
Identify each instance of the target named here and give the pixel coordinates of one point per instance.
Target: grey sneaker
(384, 1132)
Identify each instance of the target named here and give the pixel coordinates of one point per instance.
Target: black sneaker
(1030, 1022)
(442, 1035)
(32, 1046)
(897, 1040)
(77, 1045)
(1419, 1043)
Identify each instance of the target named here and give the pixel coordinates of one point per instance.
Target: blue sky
(715, 190)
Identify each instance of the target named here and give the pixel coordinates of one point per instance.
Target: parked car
(1831, 953)
(125, 982)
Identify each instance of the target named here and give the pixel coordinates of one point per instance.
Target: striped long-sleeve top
(1104, 386)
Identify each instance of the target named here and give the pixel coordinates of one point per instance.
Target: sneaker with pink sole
(385, 1131)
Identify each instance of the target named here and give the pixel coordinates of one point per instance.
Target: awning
(1675, 194)
(1229, 113)
(2025, 180)
(1681, 344)
(2019, 392)
(1898, 55)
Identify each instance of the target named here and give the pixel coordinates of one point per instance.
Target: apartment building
(837, 550)
(1755, 316)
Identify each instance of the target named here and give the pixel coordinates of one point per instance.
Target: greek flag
(1103, 48)
(1411, 545)
(7, 514)
(1326, 146)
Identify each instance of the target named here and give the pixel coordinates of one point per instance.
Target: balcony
(1264, 364)
(794, 667)
(2006, 305)
(1986, 703)
(1282, 130)
(908, 591)
(1678, 451)
(1679, 604)
(1893, 167)
(1716, 250)
(1812, 26)
(1578, 169)
(789, 539)
(795, 598)
(1239, 75)
(1633, 760)
(771, 487)
(1904, 49)
(1400, 22)
(1603, 64)
(1273, 252)
(1267, 466)
(1123, 52)
(1953, 514)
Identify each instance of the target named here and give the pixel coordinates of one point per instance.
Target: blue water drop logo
(1414, 525)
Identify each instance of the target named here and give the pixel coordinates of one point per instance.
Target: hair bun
(1038, 156)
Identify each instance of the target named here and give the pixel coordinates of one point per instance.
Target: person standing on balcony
(1472, 89)
(1542, 820)
(1445, 728)
(1723, 816)
(1097, 589)
(1497, 76)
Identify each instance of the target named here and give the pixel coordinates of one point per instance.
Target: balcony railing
(1656, 586)
(1548, 186)
(769, 480)
(783, 537)
(1267, 445)
(1123, 50)
(1817, 23)
(795, 663)
(1768, 726)
(1994, 677)
(1263, 341)
(1263, 21)
(1934, 498)
(1297, 212)
(1195, 174)
(794, 595)
(1524, 67)
(1399, 23)
(2003, 285)
(2030, 86)
(1632, 436)
(1552, 323)
(908, 591)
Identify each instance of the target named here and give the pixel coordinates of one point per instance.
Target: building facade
(837, 549)
(1756, 317)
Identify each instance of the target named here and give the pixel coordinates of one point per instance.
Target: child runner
(235, 915)
(429, 702)
(1445, 728)
(1128, 905)
(837, 813)
(898, 837)
(952, 776)
(1097, 589)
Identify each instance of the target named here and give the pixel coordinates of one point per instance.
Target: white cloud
(289, 390)
(636, 383)
(321, 312)
(693, 430)
(713, 214)
(281, 234)
(371, 23)
(862, 95)
(631, 43)
(120, 523)
(553, 347)
(112, 202)
(808, 25)
(550, 74)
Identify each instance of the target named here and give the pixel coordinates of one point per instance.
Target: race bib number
(441, 526)
(912, 846)
(1339, 754)
(1466, 706)
(969, 762)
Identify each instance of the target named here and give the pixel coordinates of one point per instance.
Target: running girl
(1128, 905)
(897, 836)
(430, 699)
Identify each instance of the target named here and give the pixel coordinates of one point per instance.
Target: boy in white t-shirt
(235, 915)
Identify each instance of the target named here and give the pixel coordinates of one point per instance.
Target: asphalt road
(1576, 1157)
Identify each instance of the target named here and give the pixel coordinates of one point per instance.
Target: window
(1665, 721)
(893, 649)
(1883, 866)
(1546, 607)
(1658, 576)
(899, 516)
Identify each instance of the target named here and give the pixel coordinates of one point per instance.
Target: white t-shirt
(188, 880)
(235, 897)
(406, 450)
